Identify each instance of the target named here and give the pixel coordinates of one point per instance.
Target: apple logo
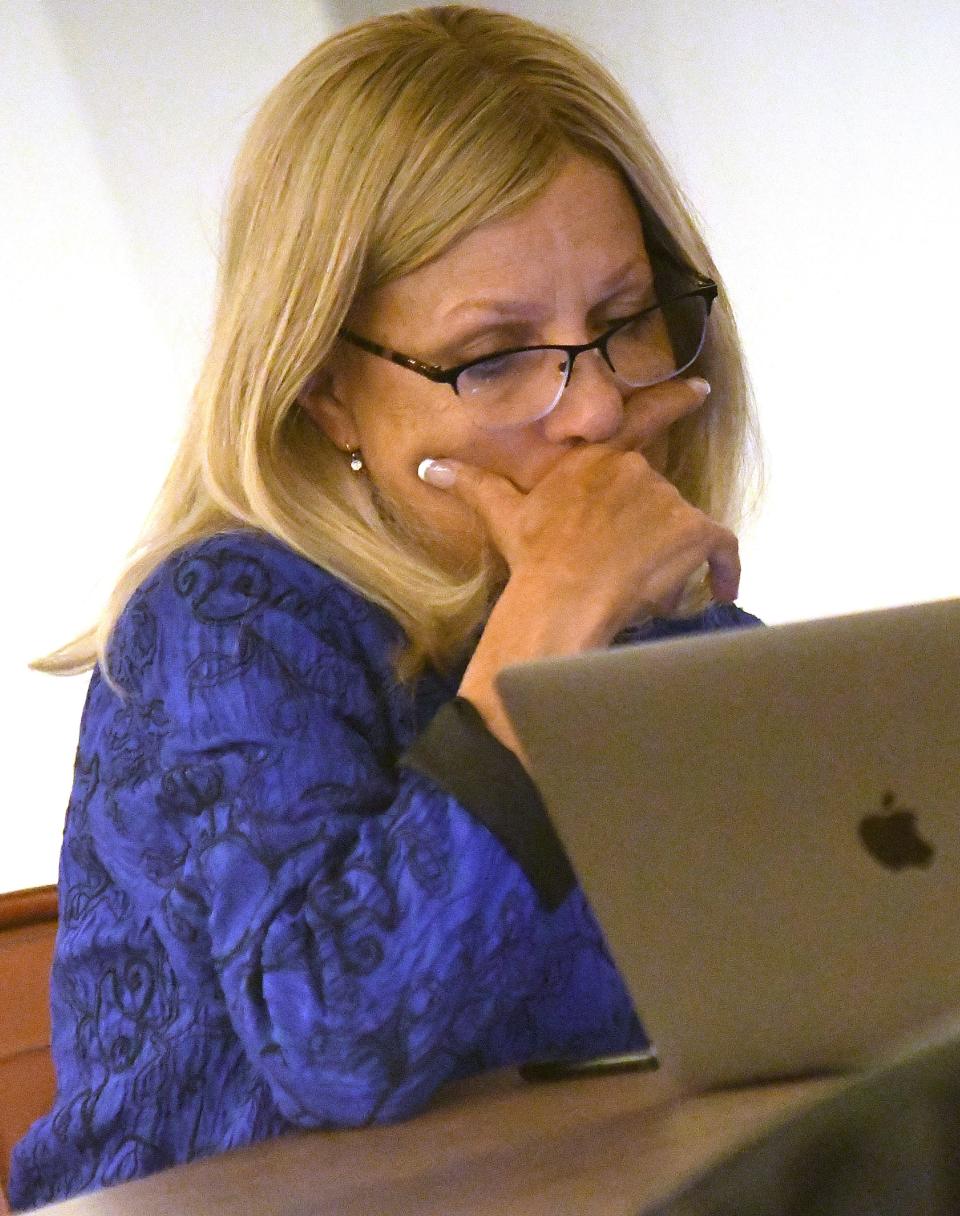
(891, 837)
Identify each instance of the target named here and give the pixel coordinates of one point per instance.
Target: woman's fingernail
(699, 385)
(436, 473)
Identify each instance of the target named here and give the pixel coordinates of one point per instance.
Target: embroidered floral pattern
(265, 922)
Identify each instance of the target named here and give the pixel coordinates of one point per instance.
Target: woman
(305, 877)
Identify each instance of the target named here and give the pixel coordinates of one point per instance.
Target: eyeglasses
(523, 384)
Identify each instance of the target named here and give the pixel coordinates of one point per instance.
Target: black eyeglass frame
(707, 289)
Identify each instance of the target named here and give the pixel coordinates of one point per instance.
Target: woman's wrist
(536, 617)
(528, 622)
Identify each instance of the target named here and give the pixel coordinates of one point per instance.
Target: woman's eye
(492, 368)
(638, 323)
(630, 314)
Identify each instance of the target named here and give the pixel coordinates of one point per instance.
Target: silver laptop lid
(767, 825)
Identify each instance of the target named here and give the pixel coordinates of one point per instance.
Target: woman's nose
(590, 407)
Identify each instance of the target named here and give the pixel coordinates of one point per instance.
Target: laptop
(766, 823)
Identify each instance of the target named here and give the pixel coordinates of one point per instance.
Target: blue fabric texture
(266, 923)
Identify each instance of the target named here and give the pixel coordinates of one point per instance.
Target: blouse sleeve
(347, 911)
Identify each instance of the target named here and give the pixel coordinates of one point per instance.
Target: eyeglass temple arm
(430, 370)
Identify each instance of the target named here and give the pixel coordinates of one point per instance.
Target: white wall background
(820, 142)
(118, 123)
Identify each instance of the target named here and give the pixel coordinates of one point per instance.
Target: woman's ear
(320, 401)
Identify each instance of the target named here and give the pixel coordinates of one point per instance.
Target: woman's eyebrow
(514, 319)
(634, 273)
(490, 306)
(511, 329)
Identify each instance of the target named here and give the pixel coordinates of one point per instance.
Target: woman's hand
(600, 540)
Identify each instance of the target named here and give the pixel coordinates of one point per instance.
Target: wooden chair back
(28, 925)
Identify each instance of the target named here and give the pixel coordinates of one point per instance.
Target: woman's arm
(360, 925)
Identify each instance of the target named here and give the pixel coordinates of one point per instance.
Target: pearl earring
(356, 460)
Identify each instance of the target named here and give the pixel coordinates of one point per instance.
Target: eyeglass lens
(509, 390)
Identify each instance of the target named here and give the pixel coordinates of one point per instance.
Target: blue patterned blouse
(292, 892)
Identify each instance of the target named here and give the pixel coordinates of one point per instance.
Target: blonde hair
(386, 144)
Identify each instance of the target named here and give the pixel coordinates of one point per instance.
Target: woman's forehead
(581, 234)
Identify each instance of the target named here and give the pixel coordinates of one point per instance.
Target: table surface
(594, 1146)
